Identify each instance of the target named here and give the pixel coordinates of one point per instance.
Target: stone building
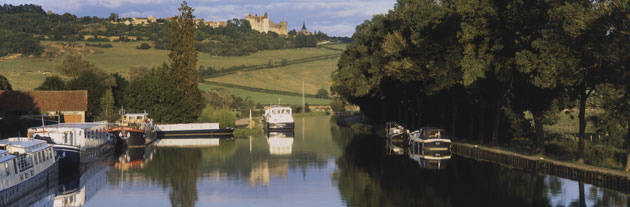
(263, 24)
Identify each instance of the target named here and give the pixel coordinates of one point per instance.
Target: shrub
(144, 46)
(106, 45)
(322, 93)
(337, 106)
(224, 117)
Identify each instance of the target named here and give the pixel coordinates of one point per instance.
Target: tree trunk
(540, 133)
(580, 154)
(628, 149)
(454, 107)
(495, 124)
(481, 125)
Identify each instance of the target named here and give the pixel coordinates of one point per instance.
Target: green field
(267, 98)
(28, 73)
(315, 74)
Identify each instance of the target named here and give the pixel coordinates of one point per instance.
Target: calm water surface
(321, 165)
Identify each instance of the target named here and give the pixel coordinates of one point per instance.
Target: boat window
(139, 117)
(41, 157)
(14, 166)
(6, 167)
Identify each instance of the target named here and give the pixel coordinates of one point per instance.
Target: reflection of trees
(179, 169)
(367, 177)
(605, 197)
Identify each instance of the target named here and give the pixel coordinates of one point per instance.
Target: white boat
(25, 165)
(279, 118)
(76, 143)
(430, 143)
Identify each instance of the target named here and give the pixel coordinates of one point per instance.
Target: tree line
(477, 67)
(22, 26)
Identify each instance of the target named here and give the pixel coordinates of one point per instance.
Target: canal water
(321, 164)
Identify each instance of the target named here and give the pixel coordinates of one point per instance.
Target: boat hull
(73, 158)
(200, 133)
(436, 149)
(135, 138)
(21, 194)
(280, 126)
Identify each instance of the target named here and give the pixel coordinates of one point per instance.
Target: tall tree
(182, 68)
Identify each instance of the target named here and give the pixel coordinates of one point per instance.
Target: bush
(144, 46)
(106, 45)
(224, 117)
(337, 106)
(322, 93)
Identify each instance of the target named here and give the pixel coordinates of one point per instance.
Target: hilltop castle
(263, 24)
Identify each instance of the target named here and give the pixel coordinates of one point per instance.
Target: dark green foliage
(182, 70)
(73, 65)
(52, 83)
(95, 87)
(101, 45)
(475, 67)
(118, 90)
(12, 41)
(162, 101)
(4, 84)
(144, 46)
(322, 93)
(337, 106)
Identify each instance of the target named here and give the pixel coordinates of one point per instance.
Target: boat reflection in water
(135, 157)
(76, 190)
(280, 142)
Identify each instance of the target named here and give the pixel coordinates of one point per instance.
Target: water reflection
(246, 172)
(75, 189)
(280, 143)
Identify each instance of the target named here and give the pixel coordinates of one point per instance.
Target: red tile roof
(26, 101)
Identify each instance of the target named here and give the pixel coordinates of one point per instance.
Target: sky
(333, 17)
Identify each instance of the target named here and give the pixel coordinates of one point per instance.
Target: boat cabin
(278, 111)
(82, 135)
(23, 158)
(135, 118)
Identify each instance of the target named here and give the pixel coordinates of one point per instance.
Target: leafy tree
(113, 17)
(118, 89)
(182, 69)
(52, 83)
(4, 84)
(322, 93)
(95, 87)
(107, 106)
(162, 101)
(74, 66)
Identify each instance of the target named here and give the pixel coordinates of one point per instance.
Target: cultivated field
(315, 74)
(268, 98)
(28, 73)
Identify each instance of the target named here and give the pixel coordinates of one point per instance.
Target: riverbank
(600, 176)
(608, 178)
